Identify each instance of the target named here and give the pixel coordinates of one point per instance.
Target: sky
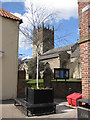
(66, 24)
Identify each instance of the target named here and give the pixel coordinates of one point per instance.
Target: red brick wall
(85, 68)
(83, 20)
(21, 74)
(84, 23)
(62, 88)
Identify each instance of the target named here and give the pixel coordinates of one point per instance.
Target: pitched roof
(50, 56)
(56, 50)
(6, 14)
(76, 52)
(53, 53)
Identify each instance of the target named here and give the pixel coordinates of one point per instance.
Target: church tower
(46, 39)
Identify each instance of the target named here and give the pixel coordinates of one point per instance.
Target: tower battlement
(43, 27)
(45, 39)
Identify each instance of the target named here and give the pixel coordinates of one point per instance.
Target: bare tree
(37, 17)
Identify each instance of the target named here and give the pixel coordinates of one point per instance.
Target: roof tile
(5, 13)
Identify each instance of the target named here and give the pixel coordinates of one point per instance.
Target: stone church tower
(46, 39)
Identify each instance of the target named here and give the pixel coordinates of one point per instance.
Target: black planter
(39, 96)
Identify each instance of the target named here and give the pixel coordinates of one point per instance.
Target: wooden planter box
(38, 96)
(42, 100)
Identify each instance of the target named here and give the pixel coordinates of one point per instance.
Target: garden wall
(21, 83)
(64, 88)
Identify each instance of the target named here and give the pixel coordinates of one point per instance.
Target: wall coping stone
(66, 81)
(84, 40)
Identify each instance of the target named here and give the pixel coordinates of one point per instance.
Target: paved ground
(63, 110)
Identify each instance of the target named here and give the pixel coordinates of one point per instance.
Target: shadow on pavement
(63, 109)
(7, 101)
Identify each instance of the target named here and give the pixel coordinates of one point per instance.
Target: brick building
(84, 25)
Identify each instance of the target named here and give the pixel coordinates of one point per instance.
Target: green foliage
(34, 81)
(35, 86)
(41, 80)
(32, 65)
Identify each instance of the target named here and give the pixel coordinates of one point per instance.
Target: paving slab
(63, 110)
(10, 111)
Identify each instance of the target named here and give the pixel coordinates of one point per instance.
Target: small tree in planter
(37, 17)
(39, 96)
(42, 99)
